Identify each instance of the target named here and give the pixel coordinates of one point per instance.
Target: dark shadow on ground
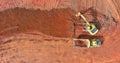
(83, 36)
(94, 14)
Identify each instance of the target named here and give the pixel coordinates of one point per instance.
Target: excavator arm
(80, 15)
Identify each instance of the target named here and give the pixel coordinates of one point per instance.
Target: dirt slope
(35, 36)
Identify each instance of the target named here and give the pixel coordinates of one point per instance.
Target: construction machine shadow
(94, 13)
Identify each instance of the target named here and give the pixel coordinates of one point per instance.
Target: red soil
(26, 20)
(36, 36)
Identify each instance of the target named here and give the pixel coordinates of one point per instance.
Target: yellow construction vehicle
(91, 28)
(87, 43)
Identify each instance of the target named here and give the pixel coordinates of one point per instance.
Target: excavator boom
(79, 14)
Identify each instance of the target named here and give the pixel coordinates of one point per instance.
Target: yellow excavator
(91, 28)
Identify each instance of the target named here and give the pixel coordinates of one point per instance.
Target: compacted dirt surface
(42, 31)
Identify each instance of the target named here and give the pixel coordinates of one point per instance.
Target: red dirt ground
(42, 36)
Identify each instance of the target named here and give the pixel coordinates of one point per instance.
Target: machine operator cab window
(91, 29)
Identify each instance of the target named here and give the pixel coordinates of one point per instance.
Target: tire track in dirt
(36, 45)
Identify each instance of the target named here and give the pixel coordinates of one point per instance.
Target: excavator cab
(91, 28)
(95, 43)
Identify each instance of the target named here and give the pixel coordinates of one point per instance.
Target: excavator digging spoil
(42, 31)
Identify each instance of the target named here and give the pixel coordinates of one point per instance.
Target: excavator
(91, 28)
(87, 43)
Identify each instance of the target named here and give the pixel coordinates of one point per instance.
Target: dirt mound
(19, 20)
